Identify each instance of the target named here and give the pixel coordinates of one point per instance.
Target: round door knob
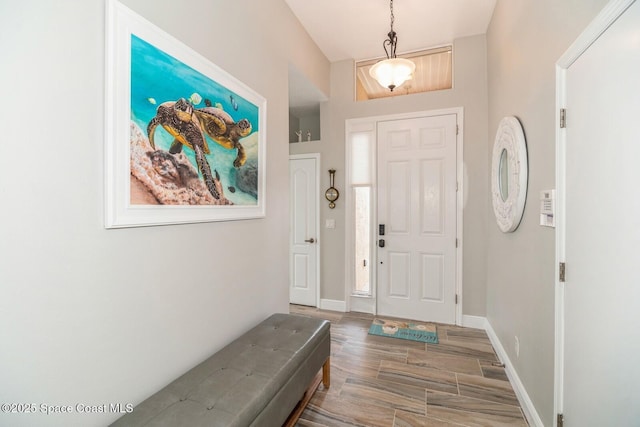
(311, 240)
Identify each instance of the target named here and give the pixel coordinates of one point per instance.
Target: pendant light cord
(392, 16)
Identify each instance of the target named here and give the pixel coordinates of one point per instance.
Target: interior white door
(602, 230)
(417, 205)
(303, 259)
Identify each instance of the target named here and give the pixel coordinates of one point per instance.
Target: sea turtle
(221, 127)
(178, 118)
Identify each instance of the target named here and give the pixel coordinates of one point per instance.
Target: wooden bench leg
(326, 374)
(306, 398)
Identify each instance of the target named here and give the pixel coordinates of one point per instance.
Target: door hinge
(562, 271)
(456, 242)
(457, 129)
(456, 186)
(563, 118)
(560, 422)
(456, 298)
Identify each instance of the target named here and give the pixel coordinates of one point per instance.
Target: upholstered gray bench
(257, 380)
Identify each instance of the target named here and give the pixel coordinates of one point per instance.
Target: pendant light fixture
(392, 72)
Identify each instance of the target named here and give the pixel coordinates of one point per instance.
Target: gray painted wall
(308, 122)
(524, 40)
(97, 316)
(470, 92)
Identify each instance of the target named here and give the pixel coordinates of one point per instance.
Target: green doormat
(414, 331)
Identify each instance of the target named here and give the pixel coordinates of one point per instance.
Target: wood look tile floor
(388, 382)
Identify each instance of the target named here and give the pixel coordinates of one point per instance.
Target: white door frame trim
(612, 11)
(349, 125)
(316, 157)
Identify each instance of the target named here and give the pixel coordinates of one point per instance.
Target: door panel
(433, 277)
(399, 279)
(303, 254)
(399, 178)
(301, 272)
(417, 203)
(433, 181)
(602, 230)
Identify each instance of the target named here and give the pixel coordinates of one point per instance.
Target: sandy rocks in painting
(247, 175)
(164, 178)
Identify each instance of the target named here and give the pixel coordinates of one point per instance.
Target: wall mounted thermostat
(548, 208)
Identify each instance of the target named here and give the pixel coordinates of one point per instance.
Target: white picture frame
(147, 72)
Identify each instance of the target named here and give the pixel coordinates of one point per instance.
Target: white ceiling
(355, 29)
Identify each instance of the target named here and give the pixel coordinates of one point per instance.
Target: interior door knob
(311, 240)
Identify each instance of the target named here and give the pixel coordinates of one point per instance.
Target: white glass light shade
(392, 72)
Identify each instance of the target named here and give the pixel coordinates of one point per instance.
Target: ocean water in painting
(157, 77)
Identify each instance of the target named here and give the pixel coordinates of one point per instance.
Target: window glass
(433, 72)
(362, 197)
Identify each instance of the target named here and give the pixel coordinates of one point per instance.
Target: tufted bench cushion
(257, 380)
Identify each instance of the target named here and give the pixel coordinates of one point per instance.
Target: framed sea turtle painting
(185, 140)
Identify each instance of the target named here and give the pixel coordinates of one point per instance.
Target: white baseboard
(361, 304)
(474, 322)
(333, 305)
(523, 397)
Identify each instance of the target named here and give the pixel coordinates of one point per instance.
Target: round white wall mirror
(509, 174)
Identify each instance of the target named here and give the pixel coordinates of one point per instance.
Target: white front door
(303, 243)
(417, 206)
(601, 231)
